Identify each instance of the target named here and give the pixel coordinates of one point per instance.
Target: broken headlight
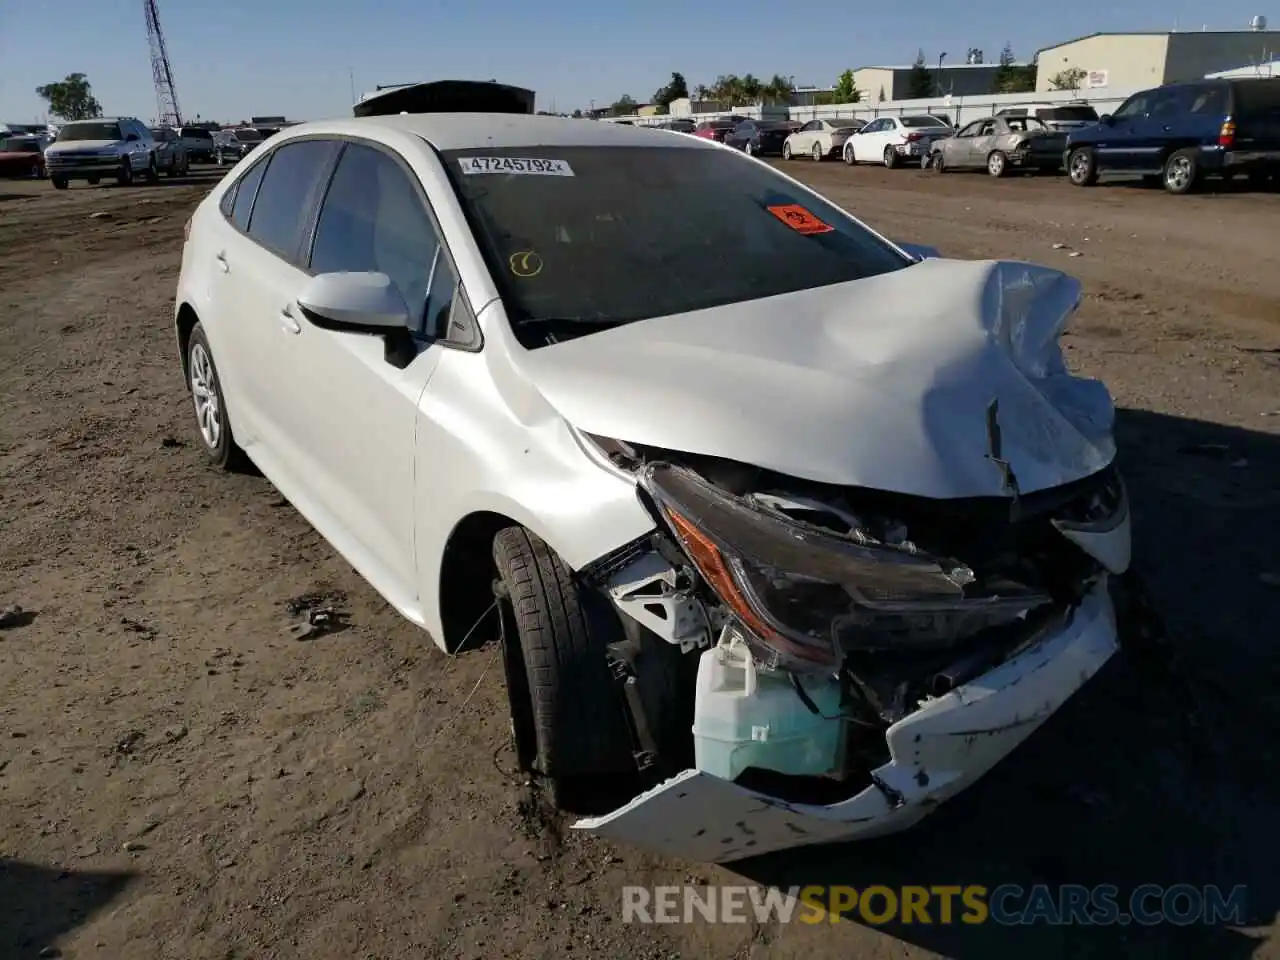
(812, 595)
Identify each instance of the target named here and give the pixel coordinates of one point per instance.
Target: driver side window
(971, 130)
(374, 219)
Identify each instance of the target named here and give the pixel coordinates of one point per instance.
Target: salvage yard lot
(353, 795)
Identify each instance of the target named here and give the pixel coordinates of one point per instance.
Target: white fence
(959, 109)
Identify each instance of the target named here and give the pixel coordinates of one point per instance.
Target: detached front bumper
(935, 753)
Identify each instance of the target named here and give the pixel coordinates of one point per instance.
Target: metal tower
(161, 71)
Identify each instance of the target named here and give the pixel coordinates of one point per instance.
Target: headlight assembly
(812, 595)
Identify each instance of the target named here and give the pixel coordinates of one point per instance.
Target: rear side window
(245, 192)
(626, 233)
(283, 206)
(1208, 101)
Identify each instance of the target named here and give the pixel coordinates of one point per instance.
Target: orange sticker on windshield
(799, 219)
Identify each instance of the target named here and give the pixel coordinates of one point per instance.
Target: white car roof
(463, 131)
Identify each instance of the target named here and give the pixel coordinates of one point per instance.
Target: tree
(920, 83)
(1011, 78)
(779, 89)
(1068, 79)
(71, 99)
(846, 92)
(702, 92)
(624, 106)
(675, 89)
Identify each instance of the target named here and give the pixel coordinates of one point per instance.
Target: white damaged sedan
(788, 530)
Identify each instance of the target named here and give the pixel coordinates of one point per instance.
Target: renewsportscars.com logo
(1006, 905)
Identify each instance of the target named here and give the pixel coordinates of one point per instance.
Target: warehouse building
(1132, 61)
(956, 79)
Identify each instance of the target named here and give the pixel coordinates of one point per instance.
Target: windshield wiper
(573, 326)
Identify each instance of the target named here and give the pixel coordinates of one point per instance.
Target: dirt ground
(180, 778)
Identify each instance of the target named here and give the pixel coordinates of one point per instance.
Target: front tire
(786, 150)
(1082, 167)
(37, 172)
(125, 176)
(153, 170)
(570, 701)
(938, 164)
(212, 423)
(848, 155)
(890, 158)
(1181, 173)
(59, 183)
(748, 149)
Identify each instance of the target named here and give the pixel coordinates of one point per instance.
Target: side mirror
(354, 303)
(1107, 119)
(918, 251)
(131, 138)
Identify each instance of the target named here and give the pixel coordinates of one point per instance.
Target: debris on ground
(321, 613)
(12, 616)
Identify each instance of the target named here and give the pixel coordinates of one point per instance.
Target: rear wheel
(1082, 167)
(561, 688)
(748, 149)
(890, 157)
(939, 165)
(1181, 171)
(997, 163)
(210, 406)
(153, 170)
(94, 181)
(816, 153)
(37, 172)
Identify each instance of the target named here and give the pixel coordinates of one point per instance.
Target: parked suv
(92, 150)
(199, 144)
(1182, 132)
(171, 154)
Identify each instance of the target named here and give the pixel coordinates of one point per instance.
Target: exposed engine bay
(807, 619)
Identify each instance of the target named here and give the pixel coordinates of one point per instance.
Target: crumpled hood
(886, 383)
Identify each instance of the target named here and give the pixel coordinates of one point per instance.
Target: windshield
(19, 146)
(922, 122)
(620, 234)
(92, 130)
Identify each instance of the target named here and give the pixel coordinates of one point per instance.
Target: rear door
(262, 271)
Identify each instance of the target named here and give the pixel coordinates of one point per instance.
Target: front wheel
(37, 172)
(939, 165)
(848, 155)
(210, 406)
(153, 170)
(1181, 171)
(59, 183)
(564, 697)
(997, 163)
(890, 157)
(125, 176)
(786, 151)
(1082, 167)
(748, 149)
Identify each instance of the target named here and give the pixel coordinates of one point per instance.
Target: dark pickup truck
(1183, 132)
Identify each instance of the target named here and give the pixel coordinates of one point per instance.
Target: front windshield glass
(604, 236)
(89, 130)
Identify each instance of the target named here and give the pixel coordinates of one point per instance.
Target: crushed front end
(856, 656)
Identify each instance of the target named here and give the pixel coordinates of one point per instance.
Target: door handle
(287, 320)
(221, 257)
(1167, 127)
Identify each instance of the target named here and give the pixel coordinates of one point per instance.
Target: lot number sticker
(799, 219)
(529, 166)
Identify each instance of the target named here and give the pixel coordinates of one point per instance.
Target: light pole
(942, 56)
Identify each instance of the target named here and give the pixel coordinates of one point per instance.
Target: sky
(238, 58)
